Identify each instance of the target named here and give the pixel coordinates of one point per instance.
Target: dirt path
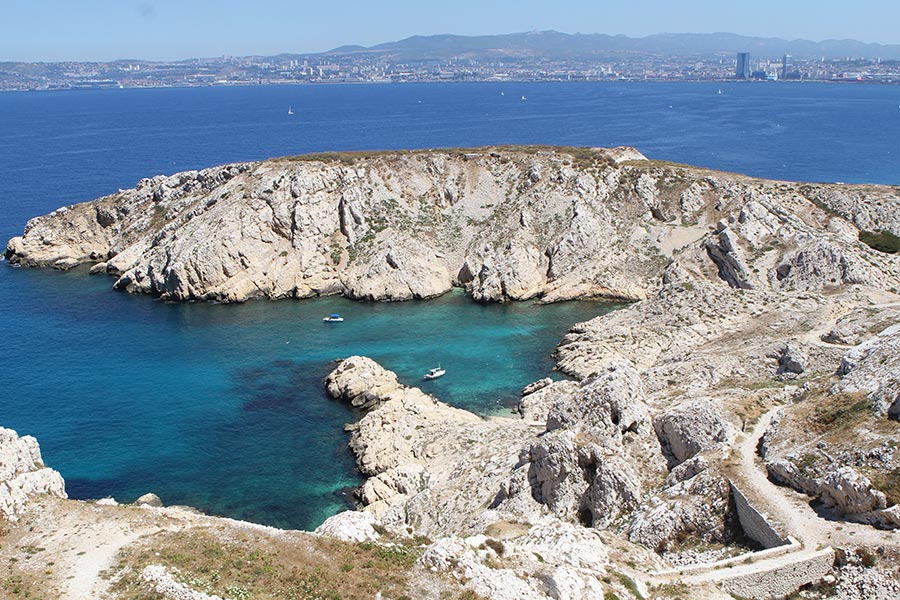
(790, 509)
(65, 547)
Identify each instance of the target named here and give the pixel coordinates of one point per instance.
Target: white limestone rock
(149, 499)
(350, 526)
(23, 474)
(697, 506)
(851, 492)
(538, 397)
(693, 427)
(167, 585)
(872, 367)
(609, 403)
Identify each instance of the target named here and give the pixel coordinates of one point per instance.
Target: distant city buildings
(373, 67)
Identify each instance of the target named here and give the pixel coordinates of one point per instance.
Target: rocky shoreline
(761, 346)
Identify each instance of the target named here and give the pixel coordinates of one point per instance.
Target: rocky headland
(734, 430)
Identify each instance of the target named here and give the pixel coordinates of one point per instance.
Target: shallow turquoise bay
(222, 407)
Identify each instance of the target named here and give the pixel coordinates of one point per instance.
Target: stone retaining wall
(754, 523)
(781, 580)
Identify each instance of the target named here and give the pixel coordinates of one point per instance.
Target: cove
(222, 407)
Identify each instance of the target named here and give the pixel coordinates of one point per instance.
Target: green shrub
(883, 241)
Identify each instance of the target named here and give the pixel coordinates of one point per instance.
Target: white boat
(290, 110)
(334, 318)
(434, 373)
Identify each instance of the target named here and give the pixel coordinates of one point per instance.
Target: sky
(58, 30)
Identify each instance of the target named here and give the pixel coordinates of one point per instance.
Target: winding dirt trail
(789, 509)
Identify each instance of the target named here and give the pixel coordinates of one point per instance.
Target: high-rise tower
(743, 66)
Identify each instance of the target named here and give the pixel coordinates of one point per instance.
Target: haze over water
(222, 407)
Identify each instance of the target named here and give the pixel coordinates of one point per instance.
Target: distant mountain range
(554, 44)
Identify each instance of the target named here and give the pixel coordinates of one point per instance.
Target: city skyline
(102, 30)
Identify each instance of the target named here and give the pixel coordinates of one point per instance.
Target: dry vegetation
(244, 567)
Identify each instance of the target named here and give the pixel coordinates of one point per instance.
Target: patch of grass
(806, 464)
(336, 252)
(679, 591)
(841, 411)
(240, 569)
(629, 584)
(882, 241)
(889, 483)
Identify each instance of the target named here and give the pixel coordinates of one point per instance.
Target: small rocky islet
(732, 432)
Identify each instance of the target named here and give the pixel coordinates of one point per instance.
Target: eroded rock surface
(23, 474)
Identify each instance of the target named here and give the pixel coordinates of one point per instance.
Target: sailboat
(290, 110)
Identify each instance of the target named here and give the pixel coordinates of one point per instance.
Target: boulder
(792, 359)
(851, 492)
(350, 526)
(149, 499)
(693, 427)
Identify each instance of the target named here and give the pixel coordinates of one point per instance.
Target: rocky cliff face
(23, 474)
(506, 223)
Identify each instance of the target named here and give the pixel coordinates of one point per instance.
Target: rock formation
(505, 223)
(23, 474)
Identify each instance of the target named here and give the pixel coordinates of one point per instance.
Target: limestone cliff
(506, 223)
(23, 474)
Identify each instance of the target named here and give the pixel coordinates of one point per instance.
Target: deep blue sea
(222, 407)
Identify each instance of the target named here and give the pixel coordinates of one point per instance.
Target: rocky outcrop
(23, 474)
(506, 224)
(860, 324)
(692, 428)
(694, 502)
(872, 367)
(350, 526)
(851, 492)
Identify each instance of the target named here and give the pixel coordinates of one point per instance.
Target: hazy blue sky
(165, 29)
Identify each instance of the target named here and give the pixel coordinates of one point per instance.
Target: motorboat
(434, 373)
(334, 318)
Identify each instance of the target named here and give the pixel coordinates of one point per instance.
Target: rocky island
(733, 432)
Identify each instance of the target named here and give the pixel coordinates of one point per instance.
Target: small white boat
(334, 318)
(290, 110)
(434, 373)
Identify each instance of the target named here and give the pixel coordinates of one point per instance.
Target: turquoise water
(222, 407)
